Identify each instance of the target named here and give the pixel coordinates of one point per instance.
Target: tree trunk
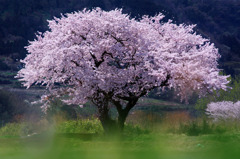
(121, 120)
(108, 124)
(123, 112)
(111, 126)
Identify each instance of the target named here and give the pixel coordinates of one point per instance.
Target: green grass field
(156, 130)
(143, 146)
(76, 139)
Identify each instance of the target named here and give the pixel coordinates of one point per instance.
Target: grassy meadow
(154, 129)
(176, 136)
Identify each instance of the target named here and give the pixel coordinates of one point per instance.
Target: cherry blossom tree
(111, 59)
(225, 110)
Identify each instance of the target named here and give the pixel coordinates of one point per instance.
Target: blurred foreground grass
(77, 139)
(173, 146)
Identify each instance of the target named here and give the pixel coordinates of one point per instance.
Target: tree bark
(111, 126)
(121, 120)
(123, 112)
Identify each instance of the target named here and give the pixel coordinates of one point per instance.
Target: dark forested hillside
(218, 20)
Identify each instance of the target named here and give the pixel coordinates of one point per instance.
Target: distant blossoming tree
(225, 110)
(113, 60)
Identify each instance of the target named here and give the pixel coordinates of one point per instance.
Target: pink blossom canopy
(99, 51)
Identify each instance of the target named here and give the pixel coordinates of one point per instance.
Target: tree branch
(118, 105)
(165, 83)
(75, 63)
(118, 40)
(98, 63)
(131, 104)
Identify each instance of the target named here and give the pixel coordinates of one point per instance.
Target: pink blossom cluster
(94, 53)
(225, 110)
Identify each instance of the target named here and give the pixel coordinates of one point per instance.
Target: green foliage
(195, 128)
(135, 143)
(80, 126)
(150, 146)
(16, 129)
(94, 126)
(134, 130)
(232, 94)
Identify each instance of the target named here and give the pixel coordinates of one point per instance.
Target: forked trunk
(113, 126)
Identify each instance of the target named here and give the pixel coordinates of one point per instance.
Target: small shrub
(130, 129)
(195, 128)
(80, 126)
(16, 129)
(191, 129)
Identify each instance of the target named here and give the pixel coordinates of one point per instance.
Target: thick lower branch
(123, 112)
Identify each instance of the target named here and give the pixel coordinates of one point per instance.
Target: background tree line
(218, 20)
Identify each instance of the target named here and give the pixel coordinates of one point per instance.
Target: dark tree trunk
(123, 112)
(121, 120)
(102, 100)
(109, 125)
